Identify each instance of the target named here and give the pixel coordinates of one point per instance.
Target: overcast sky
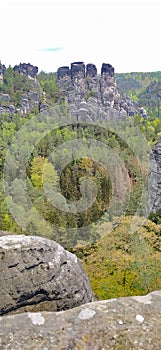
(53, 33)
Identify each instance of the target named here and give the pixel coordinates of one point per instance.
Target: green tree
(8, 81)
(43, 172)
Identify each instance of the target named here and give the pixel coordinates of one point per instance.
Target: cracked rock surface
(132, 323)
(39, 274)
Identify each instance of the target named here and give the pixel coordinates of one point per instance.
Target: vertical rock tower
(81, 82)
(2, 71)
(83, 87)
(154, 188)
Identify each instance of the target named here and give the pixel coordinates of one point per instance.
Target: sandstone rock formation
(37, 273)
(154, 188)
(2, 71)
(32, 100)
(79, 83)
(27, 69)
(82, 88)
(131, 323)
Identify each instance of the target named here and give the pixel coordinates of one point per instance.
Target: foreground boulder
(119, 324)
(39, 274)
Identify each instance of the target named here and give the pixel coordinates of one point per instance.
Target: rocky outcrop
(91, 70)
(26, 69)
(11, 109)
(154, 188)
(131, 323)
(31, 101)
(2, 71)
(39, 274)
(77, 70)
(107, 70)
(81, 82)
(5, 97)
(81, 87)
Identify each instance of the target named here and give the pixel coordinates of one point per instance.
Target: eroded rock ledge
(131, 323)
(39, 274)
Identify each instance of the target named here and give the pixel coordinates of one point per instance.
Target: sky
(54, 33)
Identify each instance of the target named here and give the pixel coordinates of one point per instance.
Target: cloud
(51, 49)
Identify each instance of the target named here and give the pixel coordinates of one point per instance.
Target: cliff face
(83, 87)
(154, 188)
(2, 70)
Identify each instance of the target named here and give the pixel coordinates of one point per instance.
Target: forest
(32, 176)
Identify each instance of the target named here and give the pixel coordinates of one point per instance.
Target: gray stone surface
(154, 187)
(5, 97)
(2, 69)
(27, 69)
(91, 70)
(77, 70)
(82, 82)
(131, 323)
(39, 274)
(107, 69)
